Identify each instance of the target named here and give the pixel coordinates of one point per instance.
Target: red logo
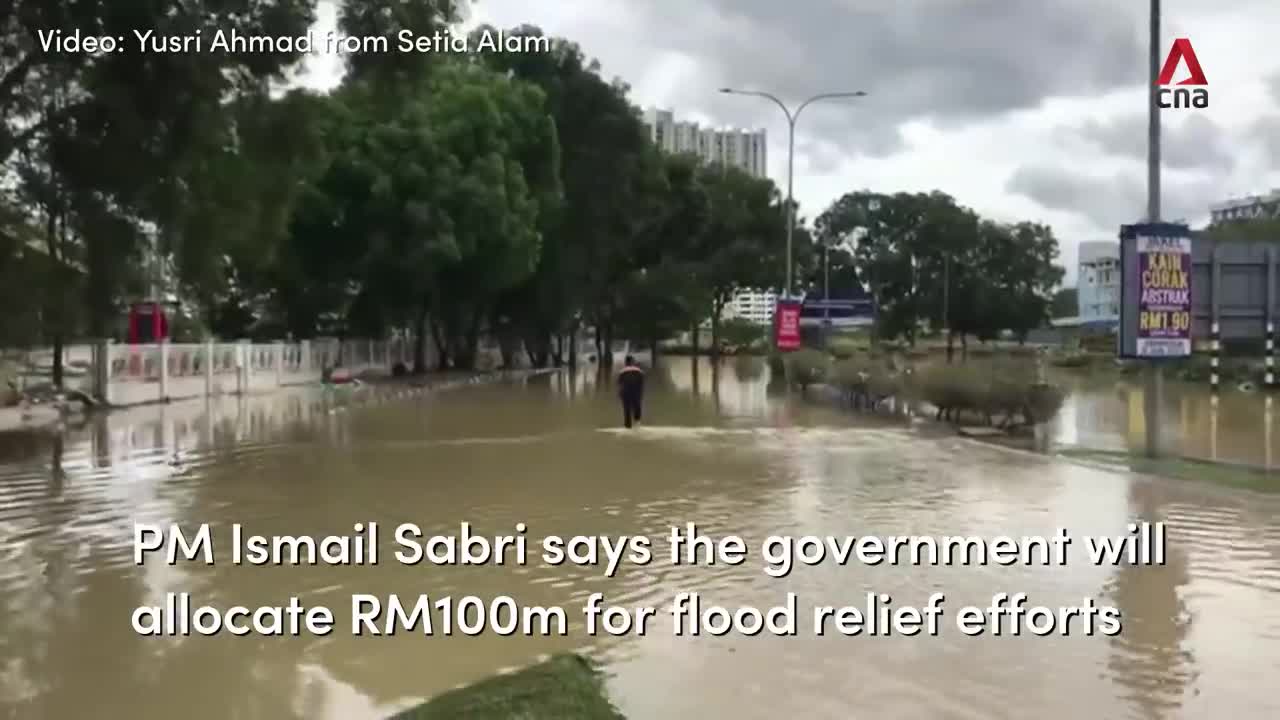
(1190, 93)
(1182, 52)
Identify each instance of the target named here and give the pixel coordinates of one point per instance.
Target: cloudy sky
(1021, 109)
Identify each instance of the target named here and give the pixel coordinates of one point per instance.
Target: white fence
(126, 375)
(138, 374)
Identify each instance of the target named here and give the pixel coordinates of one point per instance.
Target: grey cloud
(1267, 131)
(1109, 202)
(1197, 143)
(947, 60)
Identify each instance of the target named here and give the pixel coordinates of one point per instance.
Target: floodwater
(1106, 412)
(1200, 639)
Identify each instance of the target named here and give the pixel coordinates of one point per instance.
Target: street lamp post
(791, 155)
(826, 292)
(1155, 372)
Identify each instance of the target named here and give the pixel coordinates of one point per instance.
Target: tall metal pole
(1154, 390)
(1153, 117)
(791, 220)
(826, 292)
(946, 303)
(792, 117)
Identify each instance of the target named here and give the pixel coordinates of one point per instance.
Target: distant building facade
(1098, 282)
(754, 306)
(1252, 207)
(743, 149)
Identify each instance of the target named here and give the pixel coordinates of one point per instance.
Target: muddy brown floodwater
(1201, 634)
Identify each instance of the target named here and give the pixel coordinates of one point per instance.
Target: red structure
(148, 323)
(786, 325)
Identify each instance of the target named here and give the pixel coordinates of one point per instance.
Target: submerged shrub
(807, 367)
(1043, 403)
(1007, 391)
(1072, 360)
(843, 348)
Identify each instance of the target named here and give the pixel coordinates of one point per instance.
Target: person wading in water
(630, 391)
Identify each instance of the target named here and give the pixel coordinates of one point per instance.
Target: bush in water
(807, 367)
(1072, 360)
(866, 383)
(1009, 392)
(843, 348)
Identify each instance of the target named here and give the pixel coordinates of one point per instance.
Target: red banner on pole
(786, 325)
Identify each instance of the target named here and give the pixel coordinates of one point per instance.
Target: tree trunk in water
(420, 343)
(473, 340)
(557, 355)
(653, 348)
(607, 359)
(442, 347)
(599, 342)
(693, 339)
(55, 296)
(58, 349)
(964, 348)
(573, 345)
(951, 336)
(715, 330)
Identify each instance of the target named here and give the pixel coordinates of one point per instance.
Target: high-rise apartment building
(1098, 282)
(743, 149)
(754, 306)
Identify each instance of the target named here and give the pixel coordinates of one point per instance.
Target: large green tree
(743, 246)
(928, 260)
(102, 142)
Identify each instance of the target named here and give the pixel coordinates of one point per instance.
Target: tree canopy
(441, 196)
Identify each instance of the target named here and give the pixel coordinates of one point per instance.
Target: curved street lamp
(791, 153)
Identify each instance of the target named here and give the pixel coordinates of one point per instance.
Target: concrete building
(1252, 207)
(739, 148)
(1098, 282)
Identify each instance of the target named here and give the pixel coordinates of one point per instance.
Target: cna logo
(1181, 96)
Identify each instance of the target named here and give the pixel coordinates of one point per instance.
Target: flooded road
(1105, 411)
(1201, 634)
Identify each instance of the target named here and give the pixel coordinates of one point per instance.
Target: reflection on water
(1201, 633)
(1103, 413)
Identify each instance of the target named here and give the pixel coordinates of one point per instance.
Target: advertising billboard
(786, 324)
(1156, 292)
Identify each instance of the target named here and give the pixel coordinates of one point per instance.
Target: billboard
(837, 313)
(786, 324)
(1155, 291)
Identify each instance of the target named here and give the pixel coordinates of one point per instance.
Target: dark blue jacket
(631, 382)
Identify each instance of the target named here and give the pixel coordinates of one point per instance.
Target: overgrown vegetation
(1007, 392)
(807, 367)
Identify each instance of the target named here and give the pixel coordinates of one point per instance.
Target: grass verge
(566, 687)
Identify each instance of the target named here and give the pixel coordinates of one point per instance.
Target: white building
(1252, 207)
(755, 306)
(1098, 282)
(739, 148)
